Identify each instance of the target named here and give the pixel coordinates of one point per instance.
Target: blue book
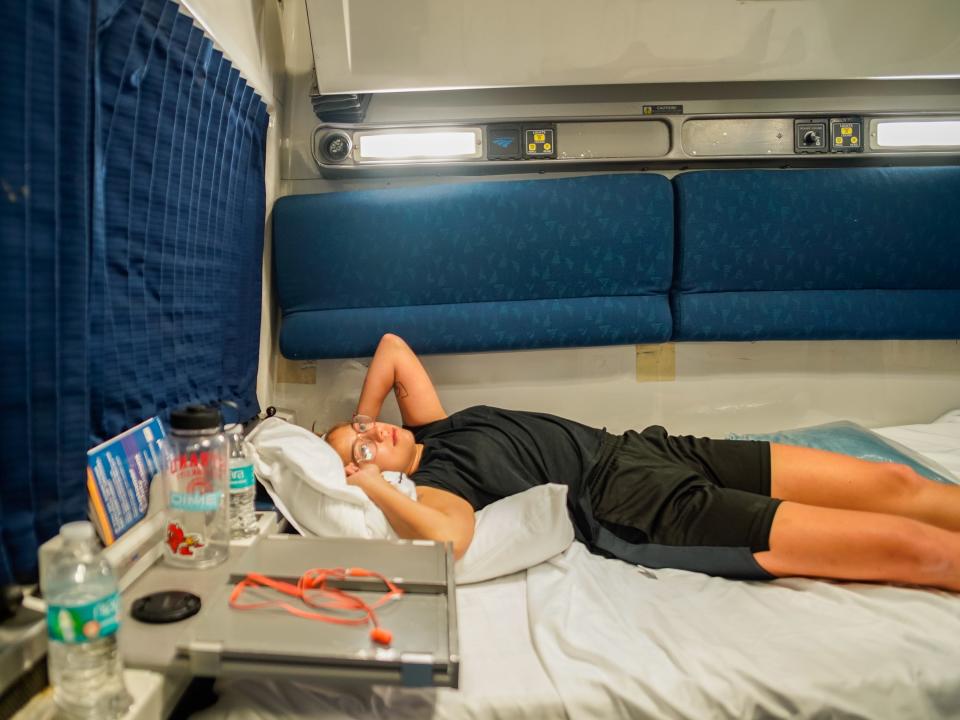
(119, 473)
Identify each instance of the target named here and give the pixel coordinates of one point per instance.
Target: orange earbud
(381, 636)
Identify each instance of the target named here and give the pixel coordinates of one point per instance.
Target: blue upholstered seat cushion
(819, 254)
(476, 266)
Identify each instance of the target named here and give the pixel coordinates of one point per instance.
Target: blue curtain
(178, 220)
(131, 173)
(45, 163)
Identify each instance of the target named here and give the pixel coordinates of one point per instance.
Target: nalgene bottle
(197, 488)
(83, 615)
(243, 488)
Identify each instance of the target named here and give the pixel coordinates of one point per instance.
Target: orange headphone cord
(312, 587)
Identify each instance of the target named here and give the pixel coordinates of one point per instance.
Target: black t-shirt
(483, 454)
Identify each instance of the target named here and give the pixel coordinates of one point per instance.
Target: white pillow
(305, 478)
(517, 532)
(949, 417)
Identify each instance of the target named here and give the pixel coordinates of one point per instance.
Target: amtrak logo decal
(503, 141)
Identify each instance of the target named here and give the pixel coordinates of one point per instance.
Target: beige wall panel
(719, 387)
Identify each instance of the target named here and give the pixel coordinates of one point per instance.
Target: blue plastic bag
(848, 438)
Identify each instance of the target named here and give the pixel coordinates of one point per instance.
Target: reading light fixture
(419, 144)
(918, 133)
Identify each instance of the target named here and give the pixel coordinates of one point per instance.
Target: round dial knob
(336, 146)
(810, 138)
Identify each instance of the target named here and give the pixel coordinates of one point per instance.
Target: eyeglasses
(364, 447)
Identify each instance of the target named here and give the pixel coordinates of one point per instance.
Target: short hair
(332, 428)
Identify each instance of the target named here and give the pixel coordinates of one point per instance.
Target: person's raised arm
(396, 367)
(439, 515)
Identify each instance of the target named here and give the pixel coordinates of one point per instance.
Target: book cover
(119, 472)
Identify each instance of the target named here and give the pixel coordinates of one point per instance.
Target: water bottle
(197, 485)
(83, 615)
(243, 520)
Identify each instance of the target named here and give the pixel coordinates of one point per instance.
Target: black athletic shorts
(683, 502)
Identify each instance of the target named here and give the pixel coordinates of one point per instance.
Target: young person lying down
(733, 508)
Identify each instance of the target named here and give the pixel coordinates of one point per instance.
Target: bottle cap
(195, 417)
(77, 531)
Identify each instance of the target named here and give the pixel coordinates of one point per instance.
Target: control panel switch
(539, 142)
(846, 134)
(810, 136)
(504, 142)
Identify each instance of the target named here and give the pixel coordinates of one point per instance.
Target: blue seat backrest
(476, 266)
(822, 254)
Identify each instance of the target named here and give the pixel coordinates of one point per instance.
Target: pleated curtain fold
(132, 180)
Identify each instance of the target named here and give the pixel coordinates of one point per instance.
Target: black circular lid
(195, 417)
(165, 607)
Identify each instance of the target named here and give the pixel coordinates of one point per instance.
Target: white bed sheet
(585, 637)
(683, 645)
(939, 440)
(500, 674)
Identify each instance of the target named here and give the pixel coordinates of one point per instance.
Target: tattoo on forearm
(400, 390)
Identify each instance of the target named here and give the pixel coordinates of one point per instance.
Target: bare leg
(826, 479)
(852, 545)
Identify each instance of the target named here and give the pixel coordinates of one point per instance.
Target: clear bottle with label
(243, 489)
(83, 616)
(197, 485)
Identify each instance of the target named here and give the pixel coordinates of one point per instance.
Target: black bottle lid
(165, 607)
(195, 417)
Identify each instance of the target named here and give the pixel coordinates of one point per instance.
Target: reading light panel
(452, 144)
(922, 133)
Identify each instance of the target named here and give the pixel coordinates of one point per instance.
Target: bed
(730, 255)
(583, 636)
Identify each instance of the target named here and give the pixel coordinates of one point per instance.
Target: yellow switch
(539, 137)
(546, 146)
(838, 141)
(846, 131)
(853, 140)
(532, 147)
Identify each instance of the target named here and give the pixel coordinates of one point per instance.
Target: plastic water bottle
(83, 615)
(197, 481)
(243, 490)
